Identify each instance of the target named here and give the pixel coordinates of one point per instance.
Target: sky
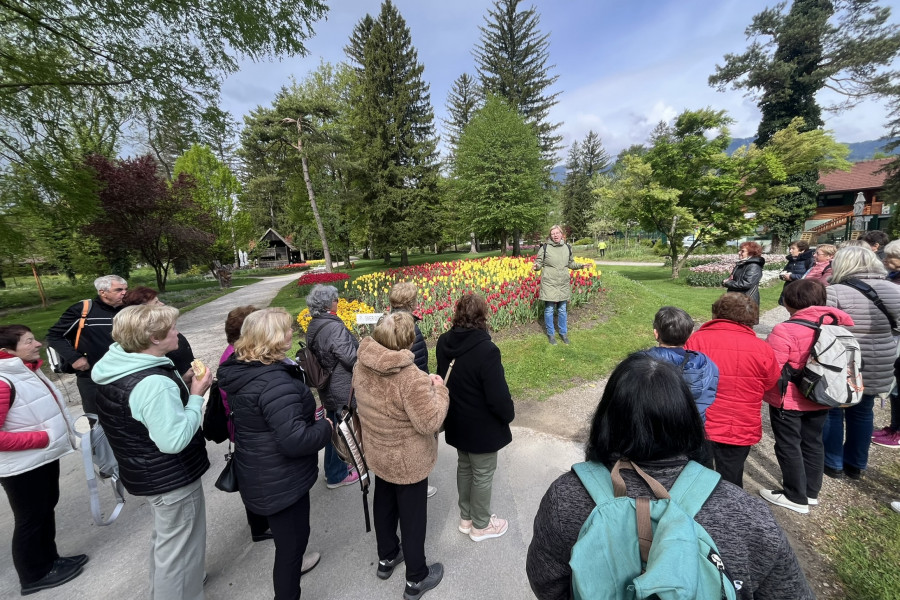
(622, 66)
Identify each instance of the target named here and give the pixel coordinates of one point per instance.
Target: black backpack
(316, 376)
(215, 419)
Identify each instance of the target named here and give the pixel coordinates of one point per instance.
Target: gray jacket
(871, 328)
(335, 347)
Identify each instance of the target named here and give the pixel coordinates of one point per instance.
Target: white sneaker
(465, 526)
(777, 497)
(495, 528)
(895, 506)
(431, 491)
(812, 501)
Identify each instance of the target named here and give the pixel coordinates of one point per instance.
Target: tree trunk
(517, 251)
(315, 208)
(404, 257)
(39, 284)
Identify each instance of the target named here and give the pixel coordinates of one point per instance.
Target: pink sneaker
(882, 432)
(891, 440)
(348, 480)
(495, 528)
(465, 526)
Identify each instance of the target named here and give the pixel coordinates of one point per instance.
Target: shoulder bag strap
(869, 292)
(85, 309)
(450, 368)
(693, 487)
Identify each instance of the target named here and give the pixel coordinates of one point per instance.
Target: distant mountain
(858, 150)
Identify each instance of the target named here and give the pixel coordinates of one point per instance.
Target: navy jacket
(699, 372)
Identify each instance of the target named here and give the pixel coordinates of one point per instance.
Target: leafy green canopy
(499, 172)
(686, 183)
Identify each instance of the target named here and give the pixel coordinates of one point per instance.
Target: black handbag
(215, 419)
(227, 480)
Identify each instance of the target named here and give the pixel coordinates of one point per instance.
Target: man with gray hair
(83, 334)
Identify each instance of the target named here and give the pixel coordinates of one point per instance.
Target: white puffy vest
(38, 407)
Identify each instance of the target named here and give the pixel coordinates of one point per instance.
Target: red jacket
(791, 344)
(747, 368)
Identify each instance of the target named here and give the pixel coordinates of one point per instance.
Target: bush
(584, 242)
(706, 279)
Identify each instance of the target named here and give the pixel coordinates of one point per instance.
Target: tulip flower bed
(510, 286)
(307, 280)
(717, 267)
(294, 267)
(347, 311)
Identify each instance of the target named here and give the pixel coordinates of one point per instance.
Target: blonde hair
(828, 249)
(403, 296)
(851, 260)
(134, 326)
(262, 336)
(395, 331)
(563, 233)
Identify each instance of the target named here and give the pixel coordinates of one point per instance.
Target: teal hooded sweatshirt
(156, 400)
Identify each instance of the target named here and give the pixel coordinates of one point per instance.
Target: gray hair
(853, 260)
(320, 299)
(892, 250)
(104, 283)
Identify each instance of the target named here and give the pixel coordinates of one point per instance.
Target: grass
(865, 547)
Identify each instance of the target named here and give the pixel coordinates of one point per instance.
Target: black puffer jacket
(335, 347)
(275, 431)
(746, 276)
(146, 470)
(798, 265)
(481, 407)
(96, 337)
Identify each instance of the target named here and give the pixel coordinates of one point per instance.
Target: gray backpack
(99, 460)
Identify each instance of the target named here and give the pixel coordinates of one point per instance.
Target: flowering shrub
(347, 311)
(510, 286)
(294, 266)
(323, 278)
(717, 267)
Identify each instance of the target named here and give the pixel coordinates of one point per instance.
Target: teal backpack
(632, 548)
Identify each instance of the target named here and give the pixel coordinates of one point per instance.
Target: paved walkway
(240, 569)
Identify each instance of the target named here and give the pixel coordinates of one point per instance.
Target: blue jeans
(335, 468)
(854, 450)
(562, 317)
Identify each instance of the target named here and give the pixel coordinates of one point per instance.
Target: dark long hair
(646, 413)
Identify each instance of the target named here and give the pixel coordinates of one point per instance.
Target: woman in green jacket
(555, 259)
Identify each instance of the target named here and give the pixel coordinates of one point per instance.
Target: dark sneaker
(853, 472)
(564, 338)
(431, 581)
(552, 339)
(60, 573)
(386, 567)
(78, 559)
(834, 473)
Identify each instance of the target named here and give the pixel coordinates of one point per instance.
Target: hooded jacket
(400, 411)
(747, 368)
(798, 265)
(481, 407)
(335, 348)
(698, 371)
(151, 420)
(554, 260)
(870, 327)
(36, 428)
(791, 344)
(275, 431)
(746, 276)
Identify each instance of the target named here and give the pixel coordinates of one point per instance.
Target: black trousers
(259, 524)
(290, 531)
(730, 462)
(799, 450)
(32, 497)
(408, 505)
(87, 389)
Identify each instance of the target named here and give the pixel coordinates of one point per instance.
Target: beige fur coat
(400, 411)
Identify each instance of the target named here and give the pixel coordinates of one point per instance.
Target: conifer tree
(395, 143)
(463, 100)
(585, 160)
(511, 60)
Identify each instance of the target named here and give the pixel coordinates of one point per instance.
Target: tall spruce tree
(463, 100)
(395, 143)
(511, 60)
(584, 161)
(843, 45)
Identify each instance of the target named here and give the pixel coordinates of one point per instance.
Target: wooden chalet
(833, 219)
(275, 250)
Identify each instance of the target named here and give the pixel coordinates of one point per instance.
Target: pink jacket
(791, 344)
